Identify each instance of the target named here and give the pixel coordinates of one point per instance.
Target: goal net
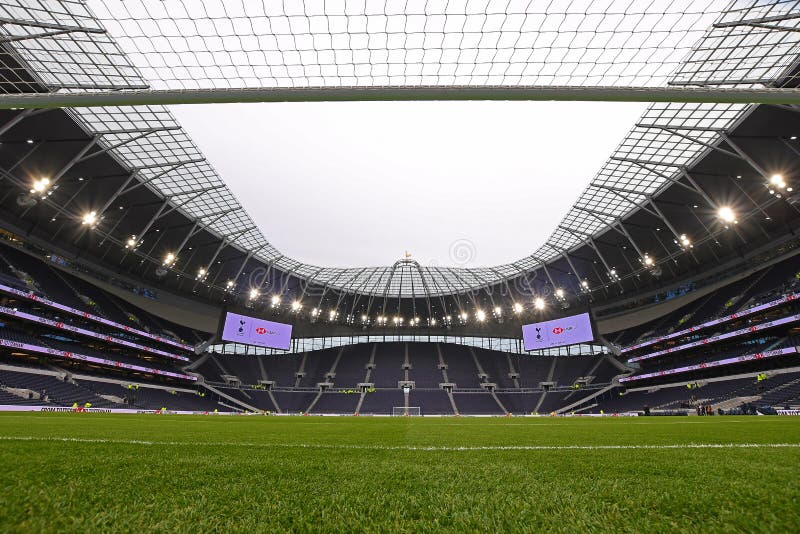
(402, 411)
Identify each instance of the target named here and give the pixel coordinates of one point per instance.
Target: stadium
(401, 265)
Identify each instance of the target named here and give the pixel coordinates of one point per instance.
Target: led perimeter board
(558, 332)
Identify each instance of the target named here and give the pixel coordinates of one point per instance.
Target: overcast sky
(453, 183)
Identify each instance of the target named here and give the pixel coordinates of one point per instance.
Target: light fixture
(296, 305)
(201, 273)
(90, 218)
(315, 312)
(332, 315)
(685, 241)
(517, 307)
(169, 259)
(229, 284)
(480, 315)
(131, 242)
(585, 284)
(559, 293)
(432, 321)
(463, 316)
(364, 318)
(777, 181)
(275, 300)
(647, 260)
(726, 214)
(254, 293)
(40, 186)
(538, 303)
(498, 311)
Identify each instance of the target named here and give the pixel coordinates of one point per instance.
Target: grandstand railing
(717, 363)
(33, 297)
(720, 337)
(91, 359)
(89, 333)
(713, 322)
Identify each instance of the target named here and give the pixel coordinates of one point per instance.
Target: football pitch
(127, 473)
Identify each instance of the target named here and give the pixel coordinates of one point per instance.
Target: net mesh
(104, 45)
(185, 44)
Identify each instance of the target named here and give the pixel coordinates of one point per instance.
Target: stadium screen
(251, 331)
(558, 332)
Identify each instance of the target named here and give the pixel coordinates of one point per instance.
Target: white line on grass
(412, 447)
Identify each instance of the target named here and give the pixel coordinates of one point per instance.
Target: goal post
(400, 411)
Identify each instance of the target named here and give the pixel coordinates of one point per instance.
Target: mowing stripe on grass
(411, 447)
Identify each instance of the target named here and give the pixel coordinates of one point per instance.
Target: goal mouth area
(402, 411)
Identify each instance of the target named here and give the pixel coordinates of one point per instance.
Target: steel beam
(75, 159)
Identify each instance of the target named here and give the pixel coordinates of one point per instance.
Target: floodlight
(90, 218)
(726, 214)
(40, 186)
(777, 181)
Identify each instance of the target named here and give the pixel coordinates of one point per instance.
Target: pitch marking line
(414, 447)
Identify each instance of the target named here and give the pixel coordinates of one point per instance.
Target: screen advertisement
(251, 331)
(558, 332)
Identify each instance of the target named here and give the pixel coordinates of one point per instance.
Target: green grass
(128, 473)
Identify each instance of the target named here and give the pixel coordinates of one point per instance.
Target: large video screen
(558, 332)
(252, 331)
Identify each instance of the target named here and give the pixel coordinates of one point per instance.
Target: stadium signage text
(721, 320)
(253, 331)
(89, 333)
(91, 359)
(717, 363)
(96, 318)
(558, 332)
(720, 337)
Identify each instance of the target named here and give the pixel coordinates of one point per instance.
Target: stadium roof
(108, 47)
